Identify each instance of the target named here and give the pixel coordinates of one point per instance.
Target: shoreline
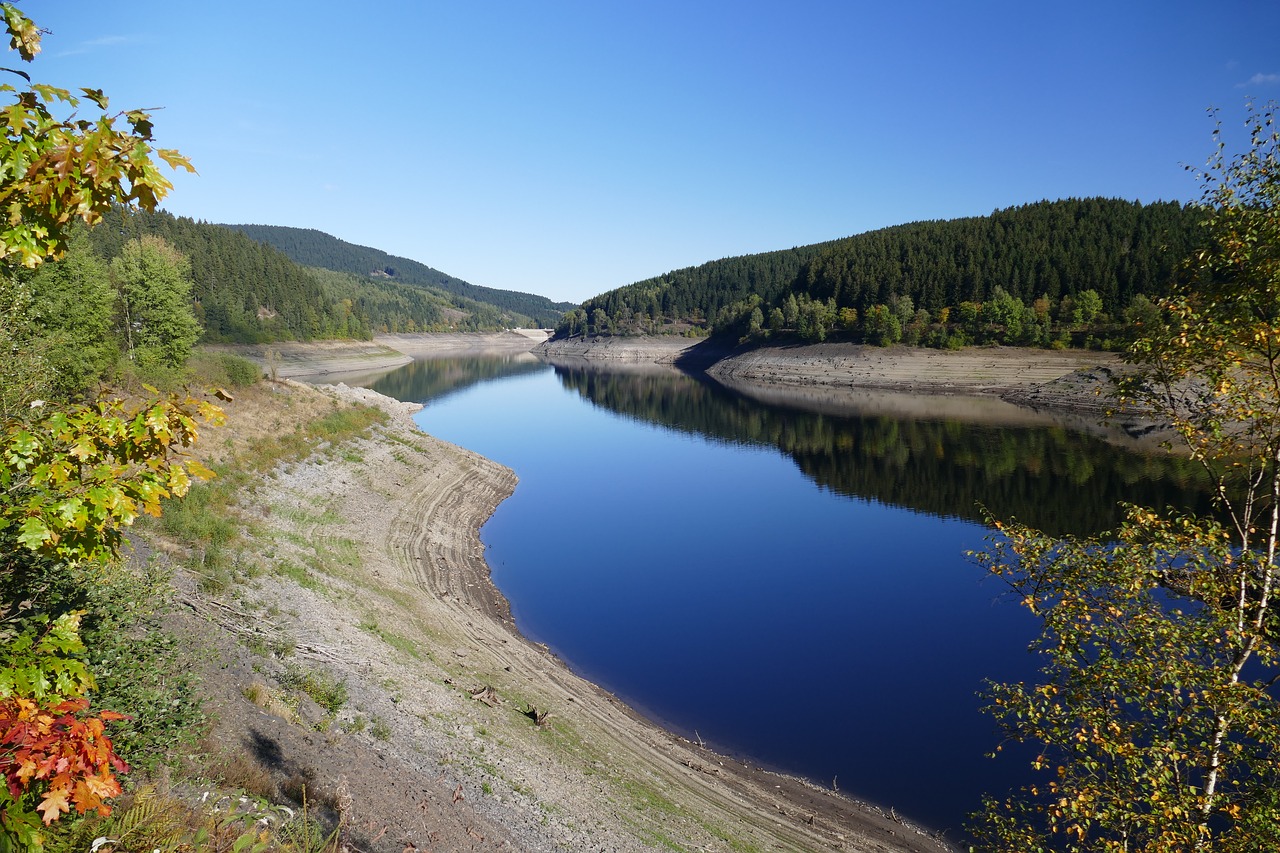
(992, 370)
(406, 614)
(718, 782)
(410, 620)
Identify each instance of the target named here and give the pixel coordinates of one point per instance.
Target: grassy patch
(205, 519)
(299, 575)
(395, 641)
(327, 692)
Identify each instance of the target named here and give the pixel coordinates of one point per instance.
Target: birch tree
(1157, 725)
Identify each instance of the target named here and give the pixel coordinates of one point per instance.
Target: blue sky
(567, 148)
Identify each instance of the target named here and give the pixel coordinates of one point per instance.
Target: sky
(568, 148)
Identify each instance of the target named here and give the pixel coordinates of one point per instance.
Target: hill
(1049, 272)
(317, 249)
(244, 292)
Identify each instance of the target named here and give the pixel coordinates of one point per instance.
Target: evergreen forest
(964, 473)
(1076, 272)
(375, 267)
(241, 291)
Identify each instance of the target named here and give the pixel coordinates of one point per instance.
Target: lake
(785, 580)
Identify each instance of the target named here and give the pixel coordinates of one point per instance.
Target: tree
(153, 280)
(881, 326)
(1089, 305)
(57, 170)
(73, 306)
(1157, 722)
(70, 478)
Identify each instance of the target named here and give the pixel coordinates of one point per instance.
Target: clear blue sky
(567, 148)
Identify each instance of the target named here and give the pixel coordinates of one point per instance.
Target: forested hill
(317, 249)
(243, 291)
(1035, 274)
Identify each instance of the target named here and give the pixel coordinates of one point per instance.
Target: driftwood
(487, 695)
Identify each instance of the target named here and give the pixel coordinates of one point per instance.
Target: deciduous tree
(69, 479)
(153, 281)
(1158, 724)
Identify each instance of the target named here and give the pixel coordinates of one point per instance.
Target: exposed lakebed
(784, 580)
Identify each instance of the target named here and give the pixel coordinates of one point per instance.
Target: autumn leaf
(54, 805)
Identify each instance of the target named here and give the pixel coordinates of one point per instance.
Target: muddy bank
(975, 370)
(461, 343)
(368, 567)
(294, 359)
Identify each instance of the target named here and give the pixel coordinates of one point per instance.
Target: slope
(1041, 270)
(317, 249)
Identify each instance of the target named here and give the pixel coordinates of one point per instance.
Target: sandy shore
(435, 746)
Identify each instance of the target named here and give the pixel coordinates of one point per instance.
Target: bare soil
(455, 731)
(366, 569)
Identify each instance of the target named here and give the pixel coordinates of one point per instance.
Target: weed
(395, 641)
(327, 692)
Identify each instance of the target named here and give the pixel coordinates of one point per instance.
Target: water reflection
(427, 379)
(946, 456)
(786, 578)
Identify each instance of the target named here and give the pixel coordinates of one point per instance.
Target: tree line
(241, 290)
(1061, 480)
(313, 248)
(1079, 272)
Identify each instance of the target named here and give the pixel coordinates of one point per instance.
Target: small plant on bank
(380, 729)
(326, 691)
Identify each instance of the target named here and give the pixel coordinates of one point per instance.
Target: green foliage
(154, 283)
(42, 661)
(69, 479)
(881, 327)
(243, 291)
(56, 170)
(73, 307)
(75, 478)
(222, 369)
(165, 822)
(1157, 722)
(24, 374)
(1140, 676)
(136, 664)
(328, 692)
(487, 306)
(1096, 253)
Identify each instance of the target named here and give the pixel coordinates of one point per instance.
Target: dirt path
(372, 570)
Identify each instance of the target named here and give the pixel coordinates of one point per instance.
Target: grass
(206, 521)
(299, 575)
(153, 819)
(327, 692)
(395, 641)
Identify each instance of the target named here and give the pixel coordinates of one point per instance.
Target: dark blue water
(789, 586)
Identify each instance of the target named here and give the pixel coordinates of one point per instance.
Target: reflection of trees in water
(424, 380)
(1048, 477)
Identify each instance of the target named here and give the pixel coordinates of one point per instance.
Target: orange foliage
(69, 754)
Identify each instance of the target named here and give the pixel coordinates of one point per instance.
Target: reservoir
(784, 579)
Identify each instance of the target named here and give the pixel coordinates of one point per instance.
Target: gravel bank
(372, 572)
